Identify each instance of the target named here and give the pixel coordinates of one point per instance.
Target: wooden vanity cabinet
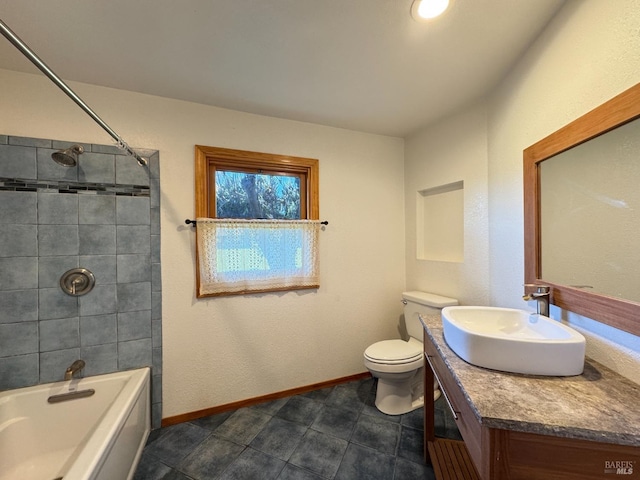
(450, 459)
(496, 454)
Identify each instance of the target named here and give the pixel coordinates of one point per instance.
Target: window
(257, 222)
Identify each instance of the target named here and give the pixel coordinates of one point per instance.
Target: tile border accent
(63, 186)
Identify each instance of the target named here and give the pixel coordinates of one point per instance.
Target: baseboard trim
(186, 417)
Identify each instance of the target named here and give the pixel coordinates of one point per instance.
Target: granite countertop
(599, 405)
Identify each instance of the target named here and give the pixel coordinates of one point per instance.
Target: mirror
(582, 213)
(590, 214)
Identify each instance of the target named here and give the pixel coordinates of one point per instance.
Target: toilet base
(397, 397)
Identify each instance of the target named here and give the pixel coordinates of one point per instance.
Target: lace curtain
(237, 256)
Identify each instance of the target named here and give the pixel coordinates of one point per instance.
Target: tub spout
(73, 368)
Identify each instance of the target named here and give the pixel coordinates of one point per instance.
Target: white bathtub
(97, 437)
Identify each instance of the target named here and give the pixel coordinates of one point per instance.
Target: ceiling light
(422, 10)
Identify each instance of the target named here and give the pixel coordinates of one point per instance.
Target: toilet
(398, 364)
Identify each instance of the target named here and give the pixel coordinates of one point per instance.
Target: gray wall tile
(156, 333)
(154, 193)
(18, 207)
(155, 221)
(18, 306)
(156, 305)
(47, 233)
(133, 239)
(101, 300)
(156, 388)
(63, 144)
(134, 325)
(134, 268)
(17, 162)
(103, 267)
(59, 334)
(55, 303)
(50, 269)
(156, 277)
(100, 358)
(128, 171)
(57, 209)
(156, 416)
(155, 248)
(134, 354)
(134, 296)
(97, 209)
(54, 364)
(18, 273)
(154, 165)
(97, 239)
(96, 168)
(98, 330)
(157, 360)
(58, 240)
(18, 338)
(48, 169)
(18, 241)
(19, 371)
(29, 141)
(112, 149)
(132, 211)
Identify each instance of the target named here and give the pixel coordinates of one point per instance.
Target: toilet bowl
(398, 364)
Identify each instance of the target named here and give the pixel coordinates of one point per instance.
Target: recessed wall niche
(440, 223)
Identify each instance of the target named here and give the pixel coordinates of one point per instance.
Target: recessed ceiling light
(422, 10)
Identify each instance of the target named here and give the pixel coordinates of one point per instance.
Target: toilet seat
(394, 352)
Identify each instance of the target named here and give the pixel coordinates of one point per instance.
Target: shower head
(69, 156)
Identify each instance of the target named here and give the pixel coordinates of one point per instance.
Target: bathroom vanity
(530, 427)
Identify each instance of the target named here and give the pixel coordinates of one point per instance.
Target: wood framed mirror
(595, 132)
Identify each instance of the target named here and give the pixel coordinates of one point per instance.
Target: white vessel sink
(513, 340)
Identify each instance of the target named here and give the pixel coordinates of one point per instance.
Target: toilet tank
(416, 303)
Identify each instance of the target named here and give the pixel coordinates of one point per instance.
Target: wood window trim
(309, 167)
(246, 159)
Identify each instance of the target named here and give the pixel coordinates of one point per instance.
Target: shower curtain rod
(27, 52)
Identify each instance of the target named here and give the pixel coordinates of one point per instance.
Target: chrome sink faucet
(541, 296)
(73, 368)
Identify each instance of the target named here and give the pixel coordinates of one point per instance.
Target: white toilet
(397, 364)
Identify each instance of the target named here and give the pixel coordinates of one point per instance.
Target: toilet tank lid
(429, 299)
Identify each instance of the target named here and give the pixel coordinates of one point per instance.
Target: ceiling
(364, 65)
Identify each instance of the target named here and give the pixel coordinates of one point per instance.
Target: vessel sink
(513, 340)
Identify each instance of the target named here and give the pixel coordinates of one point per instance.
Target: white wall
(453, 150)
(221, 350)
(588, 54)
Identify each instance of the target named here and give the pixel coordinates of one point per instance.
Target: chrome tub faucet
(541, 296)
(73, 368)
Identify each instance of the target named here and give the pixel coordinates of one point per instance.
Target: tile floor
(333, 433)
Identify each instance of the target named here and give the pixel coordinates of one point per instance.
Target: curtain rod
(195, 222)
(27, 52)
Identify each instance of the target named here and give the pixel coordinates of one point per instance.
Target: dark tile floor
(333, 433)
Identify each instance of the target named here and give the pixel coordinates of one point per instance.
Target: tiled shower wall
(102, 215)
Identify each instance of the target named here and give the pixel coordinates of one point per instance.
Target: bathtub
(94, 437)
